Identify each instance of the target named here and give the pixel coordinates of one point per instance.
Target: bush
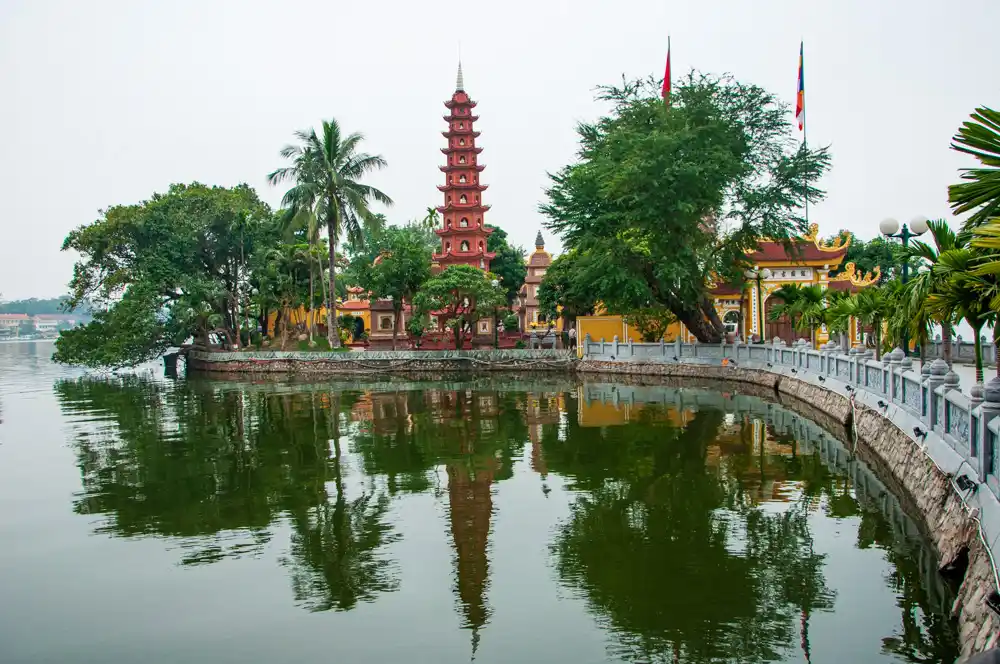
(511, 323)
(519, 344)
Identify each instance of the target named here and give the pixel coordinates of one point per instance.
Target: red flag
(666, 76)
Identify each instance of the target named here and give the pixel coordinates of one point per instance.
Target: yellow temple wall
(301, 315)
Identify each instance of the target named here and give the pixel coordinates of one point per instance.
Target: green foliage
(637, 212)
(879, 252)
(651, 322)
(124, 335)
(461, 295)
(511, 323)
(327, 170)
(980, 193)
(162, 270)
(508, 264)
(561, 286)
(26, 328)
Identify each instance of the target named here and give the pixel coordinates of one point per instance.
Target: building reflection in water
(687, 532)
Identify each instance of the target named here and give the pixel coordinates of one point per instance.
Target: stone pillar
(938, 370)
(894, 359)
(677, 347)
(586, 345)
(989, 409)
(614, 347)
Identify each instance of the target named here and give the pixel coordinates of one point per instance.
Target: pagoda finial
(539, 241)
(459, 81)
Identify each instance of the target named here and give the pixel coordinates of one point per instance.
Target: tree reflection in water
(688, 532)
(215, 468)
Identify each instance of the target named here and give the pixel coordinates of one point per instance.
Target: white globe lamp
(918, 225)
(888, 226)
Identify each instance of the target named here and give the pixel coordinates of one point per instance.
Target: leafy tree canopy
(461, 295)
(508, 264)
(638, 212)
(162, 270)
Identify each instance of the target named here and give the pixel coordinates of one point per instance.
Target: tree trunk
(946, 342)
(979, 353)
(397, 313)
(698, 325)
(312, 303)
(332, 333)
(322, 282)
(996, 345)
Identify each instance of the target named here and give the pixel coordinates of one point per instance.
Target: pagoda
(463, 233)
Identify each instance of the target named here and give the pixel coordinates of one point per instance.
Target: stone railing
(964, 429)
(963, 351)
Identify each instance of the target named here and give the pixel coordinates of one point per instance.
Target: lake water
(506, 520)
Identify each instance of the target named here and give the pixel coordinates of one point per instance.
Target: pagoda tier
(460, 132)
(463, 232)
(461, 148)
(451, 168)
(463, 186)
(469, 209)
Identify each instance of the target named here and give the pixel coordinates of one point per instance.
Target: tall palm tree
(961, 292)
(926, 280)
(789, 294)
(979, 137)
(811, 309)
(326, 170)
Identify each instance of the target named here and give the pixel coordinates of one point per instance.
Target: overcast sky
(107, 102)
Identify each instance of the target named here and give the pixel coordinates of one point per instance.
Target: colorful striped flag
(800, 96)
(665, 93)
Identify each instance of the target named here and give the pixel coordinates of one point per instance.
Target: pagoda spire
(464, 235)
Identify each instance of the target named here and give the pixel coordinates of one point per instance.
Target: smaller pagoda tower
(538, 263)
(463, 233)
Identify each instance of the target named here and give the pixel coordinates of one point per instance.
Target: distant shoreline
(26, 341)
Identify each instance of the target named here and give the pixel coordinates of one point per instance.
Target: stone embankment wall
(379, 362)
(898, 459)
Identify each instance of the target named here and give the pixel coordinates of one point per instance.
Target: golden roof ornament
(857, 278)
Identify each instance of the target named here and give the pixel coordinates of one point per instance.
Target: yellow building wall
(301, 315)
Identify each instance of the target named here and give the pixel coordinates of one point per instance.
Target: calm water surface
(149, 520)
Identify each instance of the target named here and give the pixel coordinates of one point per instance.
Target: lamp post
(758, 276)
(496, 326)
(890, 229)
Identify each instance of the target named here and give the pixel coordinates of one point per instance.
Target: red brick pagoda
(463, 233)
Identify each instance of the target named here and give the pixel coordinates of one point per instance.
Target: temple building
(463, 233)
(538, 263)
(805, 261)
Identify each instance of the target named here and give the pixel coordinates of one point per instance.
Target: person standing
(572, 336)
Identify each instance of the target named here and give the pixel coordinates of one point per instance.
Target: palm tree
(961, 293)
(326, 171)
(926, 281)
(789, 294)
(980, 137)
(811, 309)
(430, 220)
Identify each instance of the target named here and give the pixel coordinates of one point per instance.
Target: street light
(496, 327)
(759, 276)
(890, 229)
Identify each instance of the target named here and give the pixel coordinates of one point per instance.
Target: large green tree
(665, 196)
(327, 170)
(508, 264)
(461, 295)
(402, 267)
(162, 270)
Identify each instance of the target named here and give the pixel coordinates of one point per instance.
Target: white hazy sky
(105, 102)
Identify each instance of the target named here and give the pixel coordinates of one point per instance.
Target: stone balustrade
(927, 403)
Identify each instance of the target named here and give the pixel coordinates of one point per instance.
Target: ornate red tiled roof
(800, 251)
(15, 317)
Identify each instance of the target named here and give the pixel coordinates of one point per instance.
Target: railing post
(614, 348)
(677, 347)
(895, 360)
(989, 409)
(936, 379)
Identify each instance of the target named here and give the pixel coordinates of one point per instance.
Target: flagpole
(805, 125)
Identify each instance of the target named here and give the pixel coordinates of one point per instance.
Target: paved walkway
(966, 374)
